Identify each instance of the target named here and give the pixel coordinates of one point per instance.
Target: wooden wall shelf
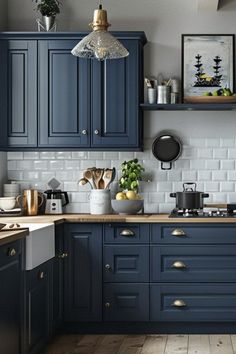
(189, 107)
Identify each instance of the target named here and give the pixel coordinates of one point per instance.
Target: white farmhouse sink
(40, 244)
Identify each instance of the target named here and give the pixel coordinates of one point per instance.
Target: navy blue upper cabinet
(64, 95)
(18, 93)
(116, 117)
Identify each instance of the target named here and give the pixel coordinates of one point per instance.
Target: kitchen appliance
(166, 148)
(56, 200)
(212, 212)
(190, 198)
(30, 201)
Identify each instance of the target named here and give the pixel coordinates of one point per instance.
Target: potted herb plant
(48, 9)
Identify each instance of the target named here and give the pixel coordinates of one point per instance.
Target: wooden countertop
(87, 218)
(11, 236)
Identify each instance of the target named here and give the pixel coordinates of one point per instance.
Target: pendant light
(100, 44)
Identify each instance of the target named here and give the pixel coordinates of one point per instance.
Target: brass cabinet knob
(127, 232)
(84, 132)
(178, 233)
(107, 267)
(12, 252)
(107, 305)
(179, 303)
(63, 255)
(96, 132)
(179, 265)
(41, 275)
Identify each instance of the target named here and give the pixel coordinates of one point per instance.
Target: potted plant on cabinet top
(48, 9)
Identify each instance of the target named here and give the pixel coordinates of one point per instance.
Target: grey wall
(3, 158)
(163, 21)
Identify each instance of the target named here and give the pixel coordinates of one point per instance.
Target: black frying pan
(166, 148)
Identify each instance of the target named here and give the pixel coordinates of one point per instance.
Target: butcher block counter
(138, 218)
(11, 236)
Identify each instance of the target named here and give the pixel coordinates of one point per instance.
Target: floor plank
(110, 344)
(87, 344)
(132, 344)
(177, 344)
(198, 344)
(154, 344)
(221, 344)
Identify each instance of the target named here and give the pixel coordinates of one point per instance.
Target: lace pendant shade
(100, 44)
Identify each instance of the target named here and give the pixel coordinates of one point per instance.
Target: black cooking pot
(189, 198)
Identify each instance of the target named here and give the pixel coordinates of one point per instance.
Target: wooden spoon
(84, 181)
(107, 178)
(98, 173)
(89, 176)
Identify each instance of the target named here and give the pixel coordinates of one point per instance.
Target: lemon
(120, 196)
(131, 195)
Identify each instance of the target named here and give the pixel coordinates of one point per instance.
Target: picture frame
(207, 64)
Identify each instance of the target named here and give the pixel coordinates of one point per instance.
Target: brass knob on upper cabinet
(179, 303)
(179, 265)
(107, 305)
(178, 233)
(63, 255)
(12, 252)
(107, 267)
(41, 275)
(96, 132)
(127, 232)
(84, 132)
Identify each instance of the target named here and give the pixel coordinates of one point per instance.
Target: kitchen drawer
(206, 263)
(126, 263)
(193, 233)
(126, 302)
(193, 302)
(126, 233)
(10, 252)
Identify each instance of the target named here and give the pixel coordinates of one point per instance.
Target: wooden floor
(143, 344)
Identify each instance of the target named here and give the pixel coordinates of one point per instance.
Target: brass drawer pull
(107, 267)
(107, 305)
(12, 252)
(178, 233)
(63, 255)
(127, 232)
(179, 303)
(179, 265)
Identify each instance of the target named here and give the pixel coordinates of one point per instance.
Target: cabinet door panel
(83, 272)
(64, 95)
(126, 302)
(115, 106)
(128, 263)
(20, 78)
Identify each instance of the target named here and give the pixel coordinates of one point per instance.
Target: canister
(100, 201)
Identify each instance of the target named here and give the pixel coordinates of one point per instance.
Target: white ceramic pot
(100, 201)
(7, 203)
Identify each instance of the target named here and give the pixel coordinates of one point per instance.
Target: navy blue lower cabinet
(126, 233)
(11, 300)
(193, 302)
(83, 272)
(193, 233)
(126, 263)
(126, 302)
(205, 263)
(38, 307)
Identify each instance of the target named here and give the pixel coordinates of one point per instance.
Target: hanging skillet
(166, 148)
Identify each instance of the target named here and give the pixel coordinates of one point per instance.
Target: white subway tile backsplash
(208, 161)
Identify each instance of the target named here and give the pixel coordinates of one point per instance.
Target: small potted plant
(48, 9)
(128, 201)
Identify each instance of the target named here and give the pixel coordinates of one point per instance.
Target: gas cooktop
(203, 213)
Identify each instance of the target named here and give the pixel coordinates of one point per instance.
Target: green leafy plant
(48, 7)
(131, 175)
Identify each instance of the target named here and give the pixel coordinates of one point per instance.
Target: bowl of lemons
(127, 203)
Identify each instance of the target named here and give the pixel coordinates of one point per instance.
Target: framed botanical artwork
(207, 64)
